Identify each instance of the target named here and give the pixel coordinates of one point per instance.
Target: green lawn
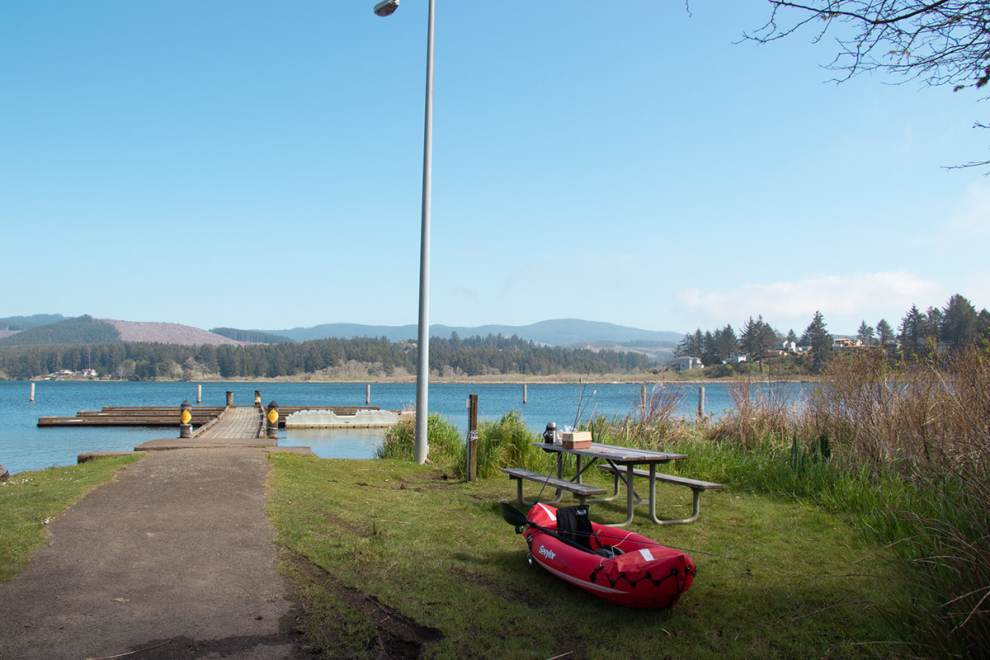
(30, 499)
(389, 556)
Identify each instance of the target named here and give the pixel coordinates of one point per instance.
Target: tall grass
(508, 443)
(445, 448)
(904, 450)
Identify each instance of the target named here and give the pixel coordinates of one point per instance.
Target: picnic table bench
(696, 485)
(581, 491)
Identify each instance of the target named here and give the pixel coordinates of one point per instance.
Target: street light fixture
(386, 8)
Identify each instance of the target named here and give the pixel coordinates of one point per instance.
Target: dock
(154, 416)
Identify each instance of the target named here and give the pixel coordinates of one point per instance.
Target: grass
(31, 499)
(380, 542)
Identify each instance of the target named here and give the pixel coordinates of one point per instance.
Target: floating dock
(154, 416)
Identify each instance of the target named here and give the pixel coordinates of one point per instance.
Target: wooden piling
(199, 394)
(257, 399)
(185, 420)
(271, 421)
(472, 438)
(31, 397)
(367, 394)
(642, 399)
(701, 401)
(525, 394)
(230, 399)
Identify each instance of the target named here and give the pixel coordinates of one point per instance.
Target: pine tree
(728, 345)
(912, 334)
(865, 334)
(959, 322)
(884, 332)
(818, 338)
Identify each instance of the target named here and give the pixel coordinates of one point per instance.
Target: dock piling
(31, 397)
(271, 421)
(471, 455)
(525, 394)
(367, 394)
(199, 394)
(701, 402)
(230, 399)
(257, 399)
(185, 420)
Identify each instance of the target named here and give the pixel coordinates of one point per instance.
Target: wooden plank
(615, 453)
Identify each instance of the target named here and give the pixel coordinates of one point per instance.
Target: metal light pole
(386, 8)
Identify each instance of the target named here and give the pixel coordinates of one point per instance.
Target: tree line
(920, 335)
(472, 356)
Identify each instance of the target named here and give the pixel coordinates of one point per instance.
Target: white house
(686, 362)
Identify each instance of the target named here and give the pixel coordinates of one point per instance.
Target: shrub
(508, 443)
(446, 448)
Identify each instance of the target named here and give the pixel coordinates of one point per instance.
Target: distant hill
(18, 323)
(555, 332)
(87, 330)
(81, 330)
(168, 333)
(250, 336)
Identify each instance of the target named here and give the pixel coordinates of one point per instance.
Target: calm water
(23, 446)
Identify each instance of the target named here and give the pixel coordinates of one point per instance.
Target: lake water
(24, 446)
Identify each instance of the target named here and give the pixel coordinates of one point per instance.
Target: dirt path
(175, 559)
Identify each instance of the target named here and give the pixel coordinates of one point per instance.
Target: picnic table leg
(577, 479)
(695, 503)
(630, 497)
(616, 477)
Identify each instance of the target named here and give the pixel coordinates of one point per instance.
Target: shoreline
(507, 379)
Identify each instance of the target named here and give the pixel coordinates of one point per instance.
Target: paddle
(514, 517)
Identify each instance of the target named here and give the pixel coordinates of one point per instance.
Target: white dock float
(327, 419)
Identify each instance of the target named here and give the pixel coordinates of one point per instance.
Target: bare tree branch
(941, 43)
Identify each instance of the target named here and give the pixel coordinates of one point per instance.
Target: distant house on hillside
(845, 343)
(685, 363)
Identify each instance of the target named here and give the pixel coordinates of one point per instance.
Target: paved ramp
(174, 559)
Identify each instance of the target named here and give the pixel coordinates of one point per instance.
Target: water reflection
(335, 443)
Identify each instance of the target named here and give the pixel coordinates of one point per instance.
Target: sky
(258, 164)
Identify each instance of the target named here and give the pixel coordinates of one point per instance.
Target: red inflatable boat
(616, 565)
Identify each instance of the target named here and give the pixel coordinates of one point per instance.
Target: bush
(446, 447)
(507, 443)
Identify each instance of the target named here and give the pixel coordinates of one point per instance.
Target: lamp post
(386, 8)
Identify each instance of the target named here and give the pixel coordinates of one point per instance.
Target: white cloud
(843, 299)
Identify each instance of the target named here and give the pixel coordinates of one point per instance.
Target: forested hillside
(454, 356)
(251, 336)
(81, 330)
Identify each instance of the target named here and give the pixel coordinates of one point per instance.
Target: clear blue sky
(257, 164)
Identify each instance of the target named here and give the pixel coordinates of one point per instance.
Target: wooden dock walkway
(233, 423)
(155, 416)
(234, 428)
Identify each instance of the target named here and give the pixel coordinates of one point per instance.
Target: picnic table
(621, 463)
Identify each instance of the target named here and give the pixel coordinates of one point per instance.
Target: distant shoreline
(504, 379)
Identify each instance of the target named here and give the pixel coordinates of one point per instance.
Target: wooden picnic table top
(615, 453)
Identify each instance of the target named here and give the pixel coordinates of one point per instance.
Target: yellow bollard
(185, 420)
